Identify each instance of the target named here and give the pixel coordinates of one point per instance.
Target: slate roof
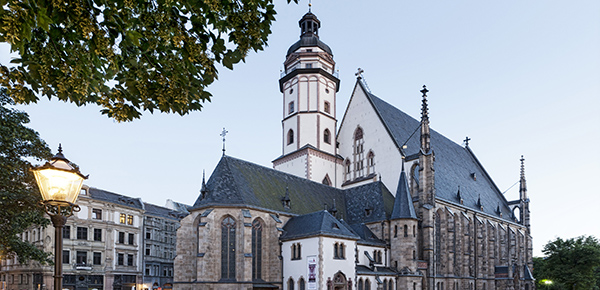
(241, 183)
(112, 197)
(403, 204)
(164, 212)
(454, 165)
(320, 223)
(367, 237)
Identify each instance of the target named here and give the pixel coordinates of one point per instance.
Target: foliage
(127, 56)
(19, 196)
(569, 264)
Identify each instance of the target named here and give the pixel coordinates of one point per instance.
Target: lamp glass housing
(58, 181)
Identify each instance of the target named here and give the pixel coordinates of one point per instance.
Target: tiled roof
(320, 223)
(454, 165)
(367, 237)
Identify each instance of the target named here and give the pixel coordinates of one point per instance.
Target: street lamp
(59, 184)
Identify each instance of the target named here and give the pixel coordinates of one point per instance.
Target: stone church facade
(380, 202)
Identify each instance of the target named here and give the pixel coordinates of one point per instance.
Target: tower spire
(203, 189)
(425, 136)
(523, 184)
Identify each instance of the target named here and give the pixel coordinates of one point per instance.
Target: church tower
(309, 85)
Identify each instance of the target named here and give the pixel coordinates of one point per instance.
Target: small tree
(571, 264)
(19, 196)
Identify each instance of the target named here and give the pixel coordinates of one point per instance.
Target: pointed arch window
(257, 230)
(228, 248)
(301, 284)
(370, 162)
(359, 154)
(291, 284)
(290, 137)
(361, 285)
(347, 170)
(367, 284)
(327, 136)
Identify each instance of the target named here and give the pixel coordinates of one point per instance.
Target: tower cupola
(309, 25)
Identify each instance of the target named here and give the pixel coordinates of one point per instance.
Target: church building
(381, 201)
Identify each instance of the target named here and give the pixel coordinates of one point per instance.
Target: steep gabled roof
(454, 165)
(320, 223)
(238, 182)
(242, 183)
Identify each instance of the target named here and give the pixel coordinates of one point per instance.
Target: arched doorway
(339, 281)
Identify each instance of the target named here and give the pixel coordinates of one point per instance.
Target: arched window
(291, 106)
(438, 243)
(302, 284)
(385, 283)
(291, 284)
(335, 251)
(361, 285)
(395, 231)
(391, 284)
(348, 170)
(256, 249)
(228, 248)
(405, 230)
(359, 153)
(290, 137)
(327, 107)
(370, 162)
(367, 284)
(327, 136)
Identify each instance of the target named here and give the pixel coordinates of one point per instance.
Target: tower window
(290, 137)
(309, 65)
(291, 107)
(327, 136)
(326, 107)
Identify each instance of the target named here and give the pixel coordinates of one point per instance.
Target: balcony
(83, 266)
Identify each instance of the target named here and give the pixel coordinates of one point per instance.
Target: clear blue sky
(518, 77)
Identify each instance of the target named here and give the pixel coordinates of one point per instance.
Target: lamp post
(59, 184)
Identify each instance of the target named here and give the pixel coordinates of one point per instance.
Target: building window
(98, 235)
(291, 284)
(147, 250)
(359, 152)
(405, 231)
(96, 213)
(66, 257)
(377, 256)
(296, 251)
(122, 218)
(129, 219)
(81, 258)
(348, 170)
(66, 232)
(290, 137)
(121, 239)
(361, 285)
(327, 136)
(131, 239)
(256, 249)
(228, 248)
(82, 233)
(309, 65)
(291, 107)
(327, 107)
(339, 251)
(371, 162)
(97, 258)
(367, 284)
(129, 260)
(148, 234)
(120, 259)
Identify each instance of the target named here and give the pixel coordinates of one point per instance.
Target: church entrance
(340, 282)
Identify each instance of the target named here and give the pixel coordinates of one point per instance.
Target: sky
(517, 77)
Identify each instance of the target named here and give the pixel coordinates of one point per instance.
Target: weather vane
(223, 134)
